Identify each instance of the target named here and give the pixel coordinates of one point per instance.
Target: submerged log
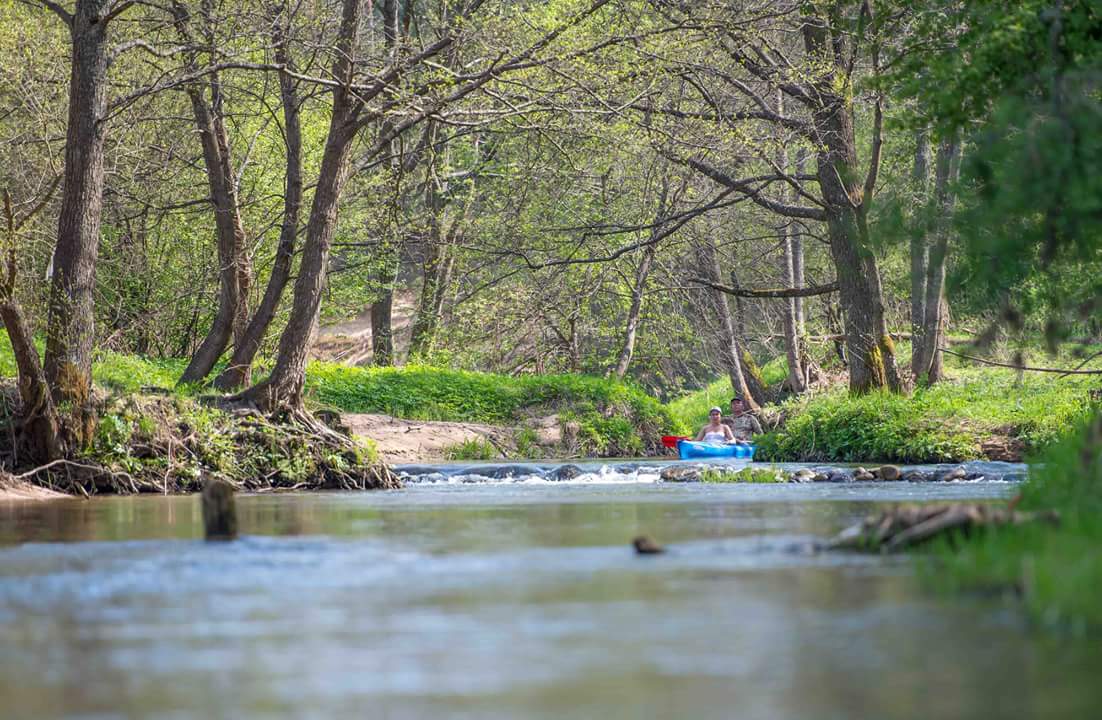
(908, 525)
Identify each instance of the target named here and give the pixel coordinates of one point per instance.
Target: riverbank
(977, 413)
(1056, 571)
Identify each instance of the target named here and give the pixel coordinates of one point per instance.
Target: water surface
(507, 600)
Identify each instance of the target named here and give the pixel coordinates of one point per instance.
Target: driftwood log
(908, 525)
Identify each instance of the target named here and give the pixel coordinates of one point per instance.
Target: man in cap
(742, 422)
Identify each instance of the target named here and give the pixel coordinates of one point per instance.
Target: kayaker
(715, 431)
(742, 423)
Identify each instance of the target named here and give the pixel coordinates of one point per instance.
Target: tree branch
(809, 291)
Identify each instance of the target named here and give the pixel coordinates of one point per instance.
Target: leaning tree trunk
(69, 330)
(642, 272)
(729, 343)
(283, 390)
(237, 372)
(39, 434)
(233, 273)
(869, 348)
(928, 360)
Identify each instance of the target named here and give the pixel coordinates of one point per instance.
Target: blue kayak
(688, 449)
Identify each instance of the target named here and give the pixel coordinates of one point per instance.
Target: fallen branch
(1012, 366)
(809, 291)
(908, 525)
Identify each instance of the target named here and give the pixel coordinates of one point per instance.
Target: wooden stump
(219, 512)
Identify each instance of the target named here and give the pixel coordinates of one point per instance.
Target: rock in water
(863, 475)
(803, 475)
(680, 473)
(956, 473)
(891, 473)
(645, 546)
(219, 513)
(564, 472)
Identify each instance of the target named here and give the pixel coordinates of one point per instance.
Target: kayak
(692, 449)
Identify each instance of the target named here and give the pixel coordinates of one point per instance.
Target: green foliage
(946, 422)
(745, 475)
(472, 449)
(1057, 570)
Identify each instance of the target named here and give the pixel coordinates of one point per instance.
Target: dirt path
(410, 441)
(349, 342)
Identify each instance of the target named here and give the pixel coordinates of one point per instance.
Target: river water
(462, 598)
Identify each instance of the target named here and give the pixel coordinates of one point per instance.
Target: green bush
(946, 422)
(472, 449)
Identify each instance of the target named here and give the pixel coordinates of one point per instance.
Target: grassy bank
(978, 412)
(599, 416)
(1057, 571)
(603, 416)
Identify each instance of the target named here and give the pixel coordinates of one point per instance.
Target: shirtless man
(742, 422)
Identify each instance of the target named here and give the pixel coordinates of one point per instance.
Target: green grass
(473, 449)
(945, 422)
(610, 417)
(1056, 570)
(745, 475)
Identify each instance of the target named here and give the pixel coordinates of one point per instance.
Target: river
(464, 598)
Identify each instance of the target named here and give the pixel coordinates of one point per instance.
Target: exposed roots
(170, 444)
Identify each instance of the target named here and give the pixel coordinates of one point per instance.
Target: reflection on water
(504, 601)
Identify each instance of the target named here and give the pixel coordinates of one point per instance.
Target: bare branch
(809, 291)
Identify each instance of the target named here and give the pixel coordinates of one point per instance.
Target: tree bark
(234, 278)
(869, 348)
(928, 362)
(283, 390)
(920, 252)
(237, 372)
(382, 329)
(70, 326)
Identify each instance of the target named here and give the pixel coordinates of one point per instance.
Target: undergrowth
(1056, 570)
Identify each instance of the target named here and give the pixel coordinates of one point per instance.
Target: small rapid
(660, 470)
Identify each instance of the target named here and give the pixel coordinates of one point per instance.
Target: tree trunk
(920, 252)
(234, 278)
(40, 435)
(284, 387)
(928, 362)
(792, 349)
(642, 272)
(729, 343)
(797, 240)
(237, 373)
(869, 348)
(439, 261)
(69, 332)
(382, 330)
